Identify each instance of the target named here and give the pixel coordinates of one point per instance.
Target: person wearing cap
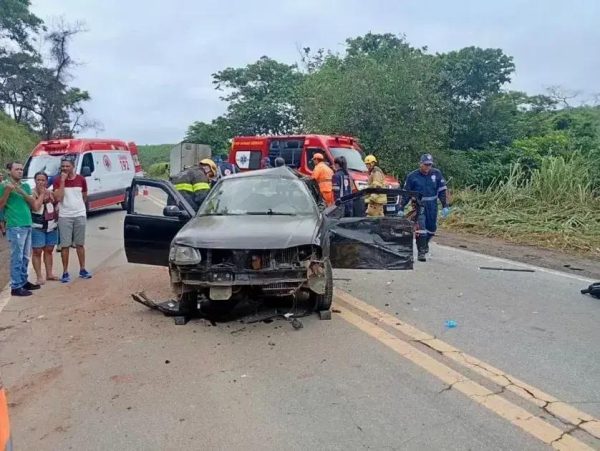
(323, 174)
(430, 182)
(279, 162)
(375, 202)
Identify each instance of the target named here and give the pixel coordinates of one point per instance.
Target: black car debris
(261, 234)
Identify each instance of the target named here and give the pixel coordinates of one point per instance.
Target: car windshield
(258, 196)
(44, 163)
(353, 158)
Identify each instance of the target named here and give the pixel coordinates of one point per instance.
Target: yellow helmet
(370, 159)
(208, 162)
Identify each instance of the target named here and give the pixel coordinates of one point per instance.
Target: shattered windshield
(258, 196)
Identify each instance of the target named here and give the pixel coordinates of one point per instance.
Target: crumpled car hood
(249, 232)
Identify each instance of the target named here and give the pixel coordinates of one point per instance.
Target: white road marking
(515, 263)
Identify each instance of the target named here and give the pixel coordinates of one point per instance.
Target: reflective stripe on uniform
(424, 232)
(200, 186)
(442, 189)
(429, 198)
(184, 187)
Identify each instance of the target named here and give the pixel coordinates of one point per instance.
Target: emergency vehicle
(108, 166)
(254, 152)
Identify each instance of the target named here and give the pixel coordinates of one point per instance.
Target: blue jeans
(20, 253)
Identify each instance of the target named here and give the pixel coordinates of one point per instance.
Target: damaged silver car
(258, 234)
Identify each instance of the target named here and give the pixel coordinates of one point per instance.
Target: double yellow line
(380, 326)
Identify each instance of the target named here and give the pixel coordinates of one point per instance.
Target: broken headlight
(184, 255)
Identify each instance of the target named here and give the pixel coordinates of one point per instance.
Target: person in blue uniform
(342, 183)
(430, 182)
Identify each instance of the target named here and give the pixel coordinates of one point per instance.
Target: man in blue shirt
(431, 184)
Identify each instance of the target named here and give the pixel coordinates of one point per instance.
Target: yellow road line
(532, 394)
(518, 416)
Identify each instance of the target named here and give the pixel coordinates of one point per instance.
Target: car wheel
(188, 303)
(323, 301)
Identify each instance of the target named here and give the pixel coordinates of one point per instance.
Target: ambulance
(108, 166)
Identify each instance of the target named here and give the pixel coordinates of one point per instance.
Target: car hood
(248, 232)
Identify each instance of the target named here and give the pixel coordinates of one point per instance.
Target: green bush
(159, 170)
(16, 141)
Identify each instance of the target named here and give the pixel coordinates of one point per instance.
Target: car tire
(188, 303)
(323, 301)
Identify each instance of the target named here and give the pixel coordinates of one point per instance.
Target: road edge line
(549, 403)
(516, 415)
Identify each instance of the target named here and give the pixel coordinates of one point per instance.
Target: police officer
(375, 202)
(431, 184)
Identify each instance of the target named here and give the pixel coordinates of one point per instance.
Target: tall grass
(16, 141)
(553, 206)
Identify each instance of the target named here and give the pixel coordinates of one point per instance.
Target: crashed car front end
(221, 274)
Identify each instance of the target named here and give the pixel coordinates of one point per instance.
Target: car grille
(392, 199)
(281, 289)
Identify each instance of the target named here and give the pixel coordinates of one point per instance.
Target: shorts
(41, 238)
(71, 231)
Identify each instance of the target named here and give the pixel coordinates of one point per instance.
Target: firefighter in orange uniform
(323, 175)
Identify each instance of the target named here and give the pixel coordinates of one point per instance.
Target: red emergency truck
(256, 152)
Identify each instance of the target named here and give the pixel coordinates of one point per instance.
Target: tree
(262, 97)
(384, 95)
(216, 134)
(17, 23)
(471, 79)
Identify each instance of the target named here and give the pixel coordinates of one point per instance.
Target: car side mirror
(173, 211)
(86, 171)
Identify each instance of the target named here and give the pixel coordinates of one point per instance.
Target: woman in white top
(44, 235)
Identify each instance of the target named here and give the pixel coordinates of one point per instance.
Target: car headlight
(184, 255)
(362, 185)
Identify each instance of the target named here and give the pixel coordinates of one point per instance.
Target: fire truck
(257, 152)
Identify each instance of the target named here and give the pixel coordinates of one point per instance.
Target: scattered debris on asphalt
(450, 324)
(492, 268)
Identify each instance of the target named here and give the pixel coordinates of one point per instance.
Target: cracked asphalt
(87, 368)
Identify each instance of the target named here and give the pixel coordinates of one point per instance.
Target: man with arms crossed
(70, 190)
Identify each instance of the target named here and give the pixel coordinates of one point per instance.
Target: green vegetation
(16, 141)
(151, 154)
(554, 205)
(35, 66)
(507, 155)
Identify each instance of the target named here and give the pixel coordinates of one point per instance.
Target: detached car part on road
(262, 234)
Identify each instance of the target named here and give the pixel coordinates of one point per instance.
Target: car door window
(151, 202)
(88, 160)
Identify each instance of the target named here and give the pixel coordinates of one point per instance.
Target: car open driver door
(153, 219)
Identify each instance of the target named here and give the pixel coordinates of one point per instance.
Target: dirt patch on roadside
(546, 258)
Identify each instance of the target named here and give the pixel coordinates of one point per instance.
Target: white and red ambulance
(108, 166)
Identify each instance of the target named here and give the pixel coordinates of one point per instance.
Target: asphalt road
(87, 368)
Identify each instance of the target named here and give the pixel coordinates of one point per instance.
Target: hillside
(16, 141)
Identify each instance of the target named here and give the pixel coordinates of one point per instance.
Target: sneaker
(31, 286)
(66, 278)
(84, 274)
(421, 257)
(20, 292)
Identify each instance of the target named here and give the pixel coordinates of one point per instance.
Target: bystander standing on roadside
(2, 220)
(16, 200)
(44, 235)
(70, 190)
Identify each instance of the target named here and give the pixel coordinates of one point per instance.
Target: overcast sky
(148, 64)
